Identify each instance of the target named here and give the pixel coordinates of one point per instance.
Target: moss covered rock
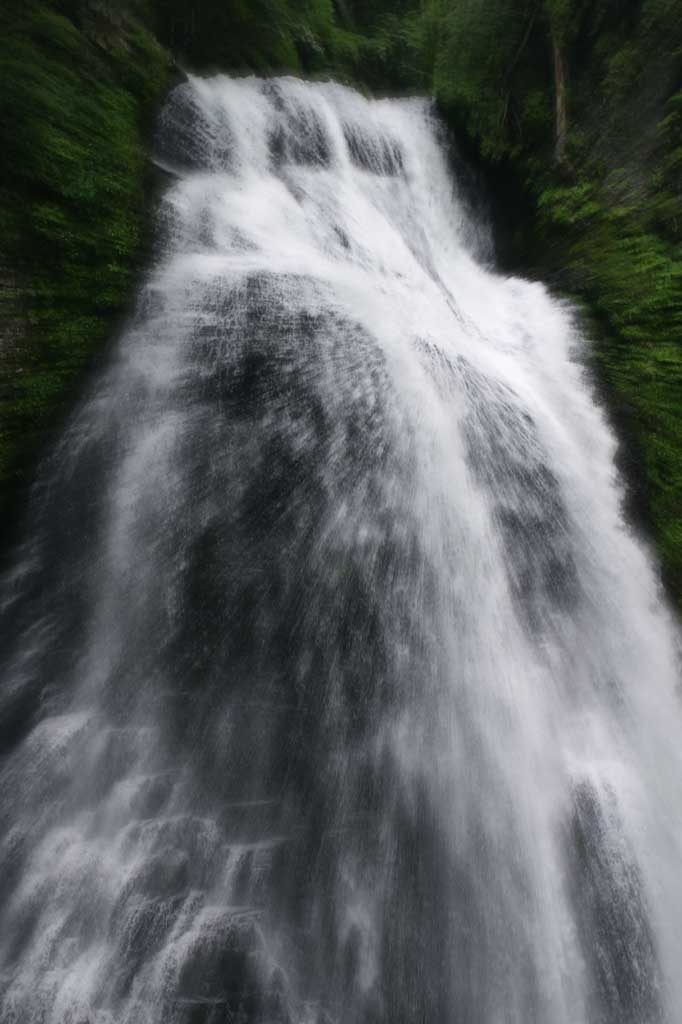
(79, 89)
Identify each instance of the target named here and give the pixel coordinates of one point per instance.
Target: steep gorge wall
(80, 87)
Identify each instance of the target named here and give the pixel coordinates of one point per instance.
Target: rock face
(75, 208)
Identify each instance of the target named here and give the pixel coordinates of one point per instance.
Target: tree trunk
(561, 124)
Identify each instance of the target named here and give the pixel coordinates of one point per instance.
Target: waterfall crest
(334, 687)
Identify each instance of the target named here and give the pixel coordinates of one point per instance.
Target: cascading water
(334, 688)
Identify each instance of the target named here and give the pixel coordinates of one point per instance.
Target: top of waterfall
(281, 127)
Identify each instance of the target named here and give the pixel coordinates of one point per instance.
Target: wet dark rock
(611, 912)
(373, 152)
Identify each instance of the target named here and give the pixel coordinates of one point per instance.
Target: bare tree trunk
(561, 128)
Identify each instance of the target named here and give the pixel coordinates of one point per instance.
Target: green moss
(632, 277)
(74, 207)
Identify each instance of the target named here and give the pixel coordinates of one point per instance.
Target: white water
(335, 688)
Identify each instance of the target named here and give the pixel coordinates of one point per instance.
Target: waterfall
(334, 686)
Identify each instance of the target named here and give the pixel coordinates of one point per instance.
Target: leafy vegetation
(260, 35)
(77, 93)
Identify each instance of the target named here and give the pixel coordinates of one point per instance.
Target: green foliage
(623, 69)
(478, 64)
(569, 205)
(396, 56)
(73, 172)
(382, 45)
(260, 35)
(632, 278)
(667, 176)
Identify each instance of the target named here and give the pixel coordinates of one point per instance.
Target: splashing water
(334, 687)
